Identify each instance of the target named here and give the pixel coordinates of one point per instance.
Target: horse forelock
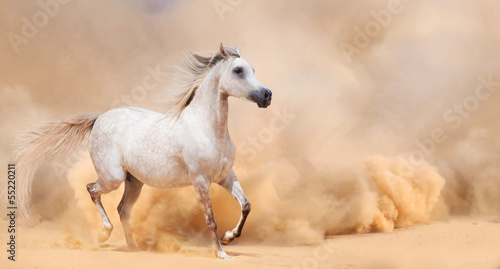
(192, 73)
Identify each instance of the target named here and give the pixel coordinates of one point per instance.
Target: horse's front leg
(201, 186)
(232, 185)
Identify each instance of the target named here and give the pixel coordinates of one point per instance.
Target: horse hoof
(104, 235)
(227, 238)
(224, 256)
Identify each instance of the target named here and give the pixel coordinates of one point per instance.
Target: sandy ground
(384, 114)
(455, 243)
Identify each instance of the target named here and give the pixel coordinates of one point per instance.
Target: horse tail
(53, 140)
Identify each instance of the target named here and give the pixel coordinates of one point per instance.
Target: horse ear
(223, 51)
(237, 49)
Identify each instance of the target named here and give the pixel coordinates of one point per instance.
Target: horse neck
(210, 106)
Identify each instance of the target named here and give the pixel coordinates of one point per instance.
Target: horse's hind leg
(133, 189)
(96, 189)
(232, 185)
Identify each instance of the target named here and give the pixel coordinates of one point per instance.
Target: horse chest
(212, 159)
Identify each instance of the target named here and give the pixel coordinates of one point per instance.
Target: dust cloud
(384, 113)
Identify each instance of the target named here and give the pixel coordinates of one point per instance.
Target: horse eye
(238, 70)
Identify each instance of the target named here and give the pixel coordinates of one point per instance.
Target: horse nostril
(268, 94)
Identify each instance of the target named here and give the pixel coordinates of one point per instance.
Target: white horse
(190, 145)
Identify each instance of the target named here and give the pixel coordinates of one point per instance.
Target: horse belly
(168, 174)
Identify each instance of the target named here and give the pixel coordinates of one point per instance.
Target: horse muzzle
(263, 97)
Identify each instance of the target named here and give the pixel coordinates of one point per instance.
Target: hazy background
(338, 163)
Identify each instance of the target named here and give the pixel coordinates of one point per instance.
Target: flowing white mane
(191, 74)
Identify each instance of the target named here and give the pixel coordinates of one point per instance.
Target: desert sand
(455, 243)
(381, 148)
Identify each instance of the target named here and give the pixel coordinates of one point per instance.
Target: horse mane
(192, 72)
